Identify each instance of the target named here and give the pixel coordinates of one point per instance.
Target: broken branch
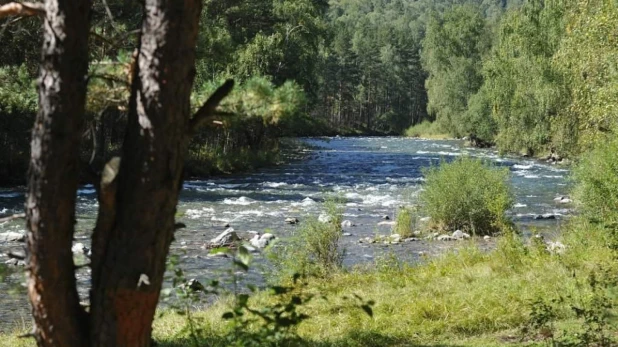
(22, 9)
(207, 112)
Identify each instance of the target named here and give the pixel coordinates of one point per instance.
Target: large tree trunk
(53, 175)
(136, 220)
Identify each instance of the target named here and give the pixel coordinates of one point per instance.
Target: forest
(533, 78)
(464, 152)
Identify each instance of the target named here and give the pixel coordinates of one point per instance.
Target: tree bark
(136, 224)
(53, 175)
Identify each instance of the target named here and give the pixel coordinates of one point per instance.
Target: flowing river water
(374, 176)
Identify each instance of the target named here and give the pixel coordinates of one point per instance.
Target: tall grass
(314, 248)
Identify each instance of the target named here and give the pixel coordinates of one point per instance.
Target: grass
(467, 297)
(427, 130)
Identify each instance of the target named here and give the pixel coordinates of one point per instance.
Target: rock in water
(12, 236)
(460, 235)
(347, 224)
(292, 221)
(193, 285)
(261, 241)
(15, 262)
(225, 238)
(79, 248)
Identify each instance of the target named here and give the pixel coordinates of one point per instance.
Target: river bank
(373, 175)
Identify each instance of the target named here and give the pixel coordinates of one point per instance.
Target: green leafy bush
(314, 248)
(406, 222)
(467, 194)
(597, 183)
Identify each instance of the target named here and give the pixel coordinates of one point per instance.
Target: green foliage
(525, 89)
(587, 56)
(469, 195)
(425, 129)
(275, 323)
(452, 54)
(314, 248)
(407, 222)
(597, 184)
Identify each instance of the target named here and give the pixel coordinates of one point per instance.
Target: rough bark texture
(53, 175)
(133, 241)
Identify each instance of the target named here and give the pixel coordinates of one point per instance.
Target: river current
(373, 175)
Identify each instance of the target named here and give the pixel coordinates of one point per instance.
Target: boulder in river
(261, 241)
(227, 237)
(347, 223)
(563, 200)
(12, 236)
(386, 217)
(193, 285)
(79, 248)
(460, 235)
(292, 221)
(547, 216)
(15, 262)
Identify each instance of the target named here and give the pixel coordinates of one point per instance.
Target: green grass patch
(427, 130)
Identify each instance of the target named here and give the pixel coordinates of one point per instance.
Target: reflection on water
(374, 176)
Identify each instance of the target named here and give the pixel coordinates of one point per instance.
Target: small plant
(314, 249)
(406, 222)
(469, 195)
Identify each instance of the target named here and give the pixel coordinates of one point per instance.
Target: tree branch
(22, 9)
(207, 112)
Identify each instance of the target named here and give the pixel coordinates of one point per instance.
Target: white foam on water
(522, 167)
(242, 201)
(274, 184)
(11, 195)
(199, 213)
(520, 205)
(305, 202)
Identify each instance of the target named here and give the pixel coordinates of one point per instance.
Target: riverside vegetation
(533, 77)
(524, 292)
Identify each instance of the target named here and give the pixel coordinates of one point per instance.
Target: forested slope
(532, 76)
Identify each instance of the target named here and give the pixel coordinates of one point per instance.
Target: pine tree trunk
(136, 217)
(53, 176)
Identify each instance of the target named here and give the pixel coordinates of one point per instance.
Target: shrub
(314, 248)
(467, 194)
(406, 222)
(597, 184)
(426, 129)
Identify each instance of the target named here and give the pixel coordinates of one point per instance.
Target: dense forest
(532, 77)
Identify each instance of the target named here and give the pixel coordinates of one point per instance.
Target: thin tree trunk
(53, 176)
(136, 222)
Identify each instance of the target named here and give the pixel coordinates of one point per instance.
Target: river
(374, 175)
